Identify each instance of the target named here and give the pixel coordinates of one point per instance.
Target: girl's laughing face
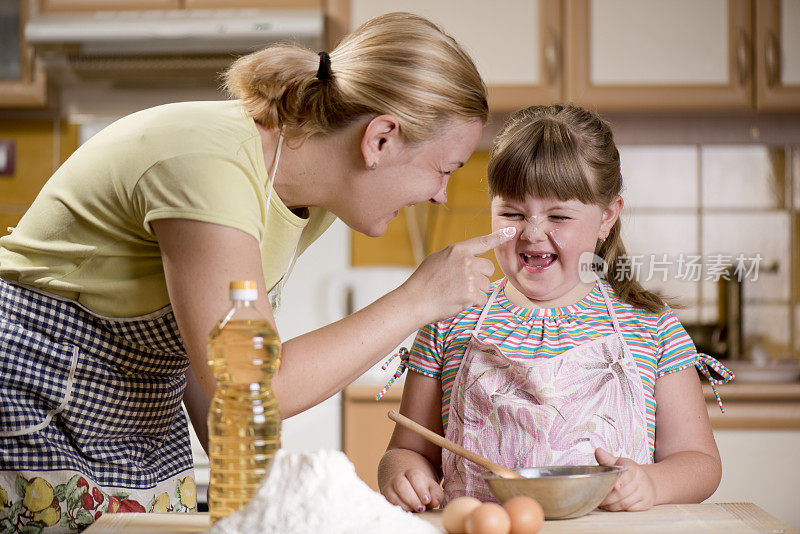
(543, 260)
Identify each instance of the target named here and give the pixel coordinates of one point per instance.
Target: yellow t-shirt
(87, 236)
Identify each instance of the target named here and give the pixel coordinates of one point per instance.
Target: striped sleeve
(676, 351)
(426, 354)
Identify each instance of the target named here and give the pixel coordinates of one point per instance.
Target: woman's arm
(687, 466)
(200, 260)
(410, 470)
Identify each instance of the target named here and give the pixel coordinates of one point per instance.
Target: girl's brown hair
(398, 63)
(567, 152)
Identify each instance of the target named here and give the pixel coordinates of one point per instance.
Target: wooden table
(728, 518)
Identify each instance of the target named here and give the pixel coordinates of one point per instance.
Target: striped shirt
(658, 342)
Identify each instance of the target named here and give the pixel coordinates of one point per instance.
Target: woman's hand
(454, 278)
(413, 490)
(634, 490)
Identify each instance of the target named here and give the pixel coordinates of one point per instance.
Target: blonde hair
(398, 63)
(567, 152)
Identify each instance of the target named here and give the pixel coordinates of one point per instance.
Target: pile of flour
(318, 492)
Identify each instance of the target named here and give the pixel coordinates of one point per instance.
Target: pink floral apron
(543, 411)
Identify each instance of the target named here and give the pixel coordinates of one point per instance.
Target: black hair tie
(324, 70)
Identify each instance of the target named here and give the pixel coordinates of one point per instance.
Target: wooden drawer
(367, 429)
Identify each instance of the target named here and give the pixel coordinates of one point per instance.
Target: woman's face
(409, 174)
(543, 260)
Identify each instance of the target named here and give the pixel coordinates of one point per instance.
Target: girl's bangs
(543, 163)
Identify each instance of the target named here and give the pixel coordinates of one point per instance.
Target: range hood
(167, 47)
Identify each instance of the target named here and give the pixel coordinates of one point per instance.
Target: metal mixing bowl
(563, 491)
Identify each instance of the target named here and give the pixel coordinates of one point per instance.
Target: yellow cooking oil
(244, 422)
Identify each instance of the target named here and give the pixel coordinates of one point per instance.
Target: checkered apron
(89, 405)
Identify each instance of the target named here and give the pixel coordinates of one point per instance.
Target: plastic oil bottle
(244, 422)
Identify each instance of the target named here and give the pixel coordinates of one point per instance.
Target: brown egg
(488, 518)
(456, 512)
(526, 514)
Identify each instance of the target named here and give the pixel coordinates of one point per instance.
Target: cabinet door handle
(772, 54)
(552, 56)
(743, 57)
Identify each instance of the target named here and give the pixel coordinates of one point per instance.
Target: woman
(112, 280)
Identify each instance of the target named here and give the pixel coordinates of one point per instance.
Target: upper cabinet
(55, 6)
(777, 49)
(605, 54)
(516, 44)
(652, 54)
(22, 81)
(621, 54)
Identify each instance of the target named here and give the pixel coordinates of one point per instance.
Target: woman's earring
(373, 166)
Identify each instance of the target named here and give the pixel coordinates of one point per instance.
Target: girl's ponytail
(620, 276)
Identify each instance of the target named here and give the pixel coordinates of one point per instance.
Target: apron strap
(403, 352)
(610, 306)
(488, 306)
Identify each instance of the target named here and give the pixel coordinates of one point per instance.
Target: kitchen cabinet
(23, 83)
(59, 6)
(777, 51)
(622, 54)
(40, 146)
(54, 6)
(367, 429)
(761, 466)
(261, 4)
(650, 54)
(516, 44)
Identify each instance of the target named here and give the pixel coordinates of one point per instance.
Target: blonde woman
(112, 280)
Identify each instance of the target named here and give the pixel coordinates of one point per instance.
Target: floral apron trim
(39, 503)
(90, 414)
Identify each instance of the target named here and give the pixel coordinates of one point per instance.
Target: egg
(488, 518)
(456, 512)
(526, 514)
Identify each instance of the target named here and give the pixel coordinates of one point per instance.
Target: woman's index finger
(484, 243)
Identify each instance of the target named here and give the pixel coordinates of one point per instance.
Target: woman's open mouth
(539, 261)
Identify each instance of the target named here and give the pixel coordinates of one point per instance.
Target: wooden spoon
(433, 437)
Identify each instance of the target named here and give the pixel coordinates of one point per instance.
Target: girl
(558, 368)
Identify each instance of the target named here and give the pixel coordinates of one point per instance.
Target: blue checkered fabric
(90, 394)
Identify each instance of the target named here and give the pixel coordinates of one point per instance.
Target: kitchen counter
(747, 405)
(755, 406)
(730, 518)
(766, 392)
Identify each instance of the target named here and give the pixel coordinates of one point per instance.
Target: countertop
(755, 406)
(759, 392)
(747, 405)
(730, 518)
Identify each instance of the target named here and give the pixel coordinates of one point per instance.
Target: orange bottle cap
(243, 284)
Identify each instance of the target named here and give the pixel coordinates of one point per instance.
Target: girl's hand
(634, 490)
(454, 278)
(413, 490)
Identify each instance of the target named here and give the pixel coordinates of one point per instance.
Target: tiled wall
(706, 201)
